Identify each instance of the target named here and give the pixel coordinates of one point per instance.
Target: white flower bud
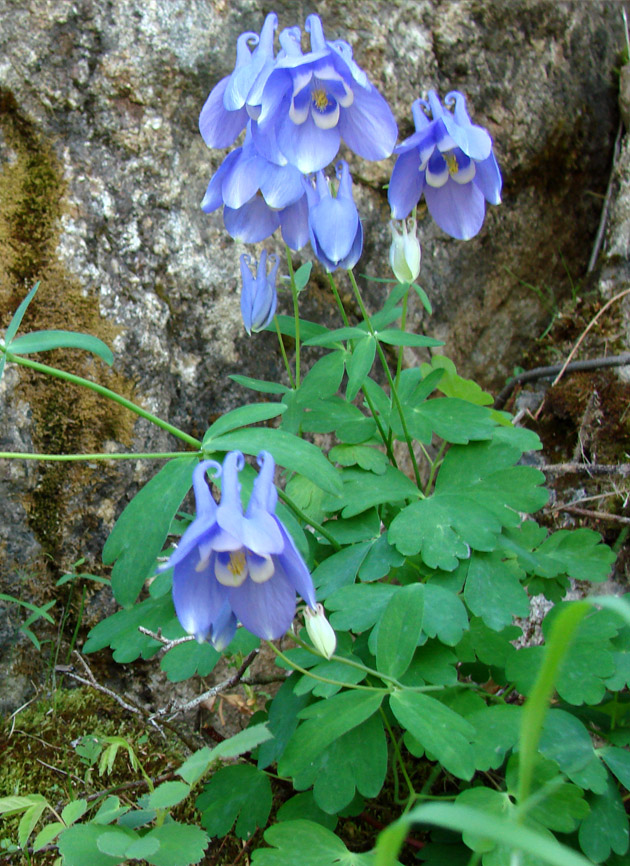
(320, 631)
(405, 253)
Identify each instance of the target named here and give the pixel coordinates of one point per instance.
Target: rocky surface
(101, 175)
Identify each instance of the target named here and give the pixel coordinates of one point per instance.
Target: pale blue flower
(231, 565)
(334, 225)
(258, 296)
(451, 161)
(311, 102)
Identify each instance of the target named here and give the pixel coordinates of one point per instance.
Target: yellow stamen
(320, 99)
(237, 565)
(451, 161)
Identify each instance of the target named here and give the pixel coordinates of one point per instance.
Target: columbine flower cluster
(232, 566)
(296, 109)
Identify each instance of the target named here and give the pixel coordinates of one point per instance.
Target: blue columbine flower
(451, 161)
(310, 102)
(334, 225)
(225, 112)
(259, 196)
(231, 565)
(258, 297)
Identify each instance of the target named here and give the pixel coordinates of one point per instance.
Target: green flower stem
(308, 520)
(403, 324)
(434, 467)
(342, 310)
(358, 665)
(105, 392)
(399, 757)
(296, 314)
(301, 670)
(284, 353)
(161, 455)
(387, 441)
(392, 385)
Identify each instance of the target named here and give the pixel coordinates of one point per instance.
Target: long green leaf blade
(44, 341)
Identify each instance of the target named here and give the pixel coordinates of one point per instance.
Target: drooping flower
(310, 102)
(225, 111)
(258, 296)
(333, 220)
(405, 252)
(256, 194)
(451, 161)
(231, 565)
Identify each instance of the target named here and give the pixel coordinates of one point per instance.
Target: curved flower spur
(231, 565)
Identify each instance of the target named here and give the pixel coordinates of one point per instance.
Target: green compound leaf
(253, 413)
(326, 721)
(44, 341)
(357, 761)
(340, 569)
(579, 553)
(606, 828)
(201, 761)
(317, 846)
(140, 532)
(167, 794)
(360, 606)
(283, 720)
(566, 741)
(443, 733)
(345, 419)
(73, 811)
(78, 845)
(303, 807)
(287, 450)
(259, 384)
(359, 365)
(239, 793)
(453, 385)
(364, 456)
(47, 834)
(478, 491)
(558, 804)
(302, 275)
(120, 631)
(497, 731)
(362, 490)
(450, 418)
(396, 337)
(445, 615)
(618, 762)
(179, 845)
(493, 591)
(187, 659)
(399, 630)
(323, 379)
(286, 325)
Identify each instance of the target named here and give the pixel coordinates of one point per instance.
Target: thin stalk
(342, 310)
(386, 439)
(104, 392)
(308, 520)
(296, 315)
(302, 670)
(392, 385)
(399, 757)
(434, 465)
(161, 455)
(284, 353)
(403, 323)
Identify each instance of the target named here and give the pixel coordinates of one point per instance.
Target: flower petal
(406, 184)
(488, 179)
(197, 596)
(266, 609)
(213, 199)
(218, 126)
(281, 185)
(334, 223)
(294, 224)
(307, 147)
(458, 210)
(251, 223)
(368, 126)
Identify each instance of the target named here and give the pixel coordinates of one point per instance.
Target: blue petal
(368, 126)
(266, 609)
(251, 223)
(197, 596)
(244, 179)
(406, 184)
(488, 179)
(294, 224)
(278, 85)
(281, 185)
(355, 250)
(224, 628)
(293, 566)
(219, 127)
(334, 223)
(458, 210)
(306, 146)
(213, 198)
(247, 292)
